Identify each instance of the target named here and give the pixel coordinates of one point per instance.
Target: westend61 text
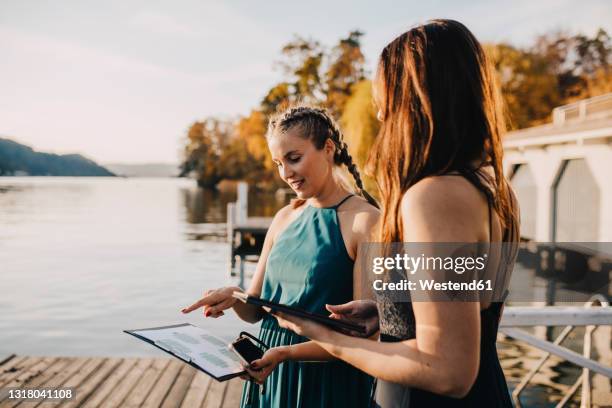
(430, 284)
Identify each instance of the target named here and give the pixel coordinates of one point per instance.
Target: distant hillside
(144, 170)
(18, 159)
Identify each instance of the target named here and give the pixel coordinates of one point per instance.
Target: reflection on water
(206, 210)
(206, 206)
(82, 259)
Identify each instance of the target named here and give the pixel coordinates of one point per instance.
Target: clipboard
(210, 354)
(295, 311)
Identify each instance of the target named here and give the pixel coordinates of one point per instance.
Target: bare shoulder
(364, 215)
(443, 206)
(358, 205)
(442, 192)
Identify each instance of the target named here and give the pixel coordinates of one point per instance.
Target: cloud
(162, 24)
(63, 96)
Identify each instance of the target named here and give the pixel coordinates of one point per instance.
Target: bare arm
(308, 351)
(436, 362)
(215, 301)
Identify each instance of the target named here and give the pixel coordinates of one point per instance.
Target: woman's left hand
(301, 327)
(260, 369)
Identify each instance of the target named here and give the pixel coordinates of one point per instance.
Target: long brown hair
(441, 111)
(317, 125)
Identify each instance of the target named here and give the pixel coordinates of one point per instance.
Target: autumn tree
(251, 132)
(580, 63)
(359, 122)
(315, 76)
(301, 62)
(237, 163)
(558, 69)
(346, 68)
(280, 95)
(528, 86)
(206, 141)
(360, 125)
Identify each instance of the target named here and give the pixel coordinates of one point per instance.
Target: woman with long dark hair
(438, 164)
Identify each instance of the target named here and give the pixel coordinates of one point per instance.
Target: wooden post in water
(230, 221)
(229, 225)
(237, 215)
(242, 204)
(242, 215)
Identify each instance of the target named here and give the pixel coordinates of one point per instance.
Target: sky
(121, 81)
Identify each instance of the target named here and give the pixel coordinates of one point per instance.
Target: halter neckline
(333, 207)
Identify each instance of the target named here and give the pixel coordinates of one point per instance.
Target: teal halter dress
(308, 267)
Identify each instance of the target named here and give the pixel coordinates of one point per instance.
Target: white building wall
(545, 163)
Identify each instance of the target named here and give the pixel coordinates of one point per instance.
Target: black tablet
(294, 311)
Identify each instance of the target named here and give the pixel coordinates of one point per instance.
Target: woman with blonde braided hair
(318, 123)
(307, 261)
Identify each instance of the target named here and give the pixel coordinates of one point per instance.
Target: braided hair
(318, 126)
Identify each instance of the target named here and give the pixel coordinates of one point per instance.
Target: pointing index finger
(211, 298)
(195, 306)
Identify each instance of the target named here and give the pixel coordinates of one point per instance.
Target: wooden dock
(117, 382)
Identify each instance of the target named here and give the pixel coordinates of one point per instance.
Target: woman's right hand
(215, 301)
(362, 312)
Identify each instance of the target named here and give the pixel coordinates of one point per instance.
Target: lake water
(82, 259)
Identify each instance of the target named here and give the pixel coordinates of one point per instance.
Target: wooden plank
(4, 360)
(17, 368)
(51, 371)
(78, 378)
(129, 381)
(86, 388)
(197, 391)
(99, 395)
(150, 376)
(164, 384)
(28, 374)
(11, 367)
(57, 380)
(40, 381)
(179, 388)
(214, 396)
(233, 394)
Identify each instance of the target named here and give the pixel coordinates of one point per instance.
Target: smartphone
(246, 350)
